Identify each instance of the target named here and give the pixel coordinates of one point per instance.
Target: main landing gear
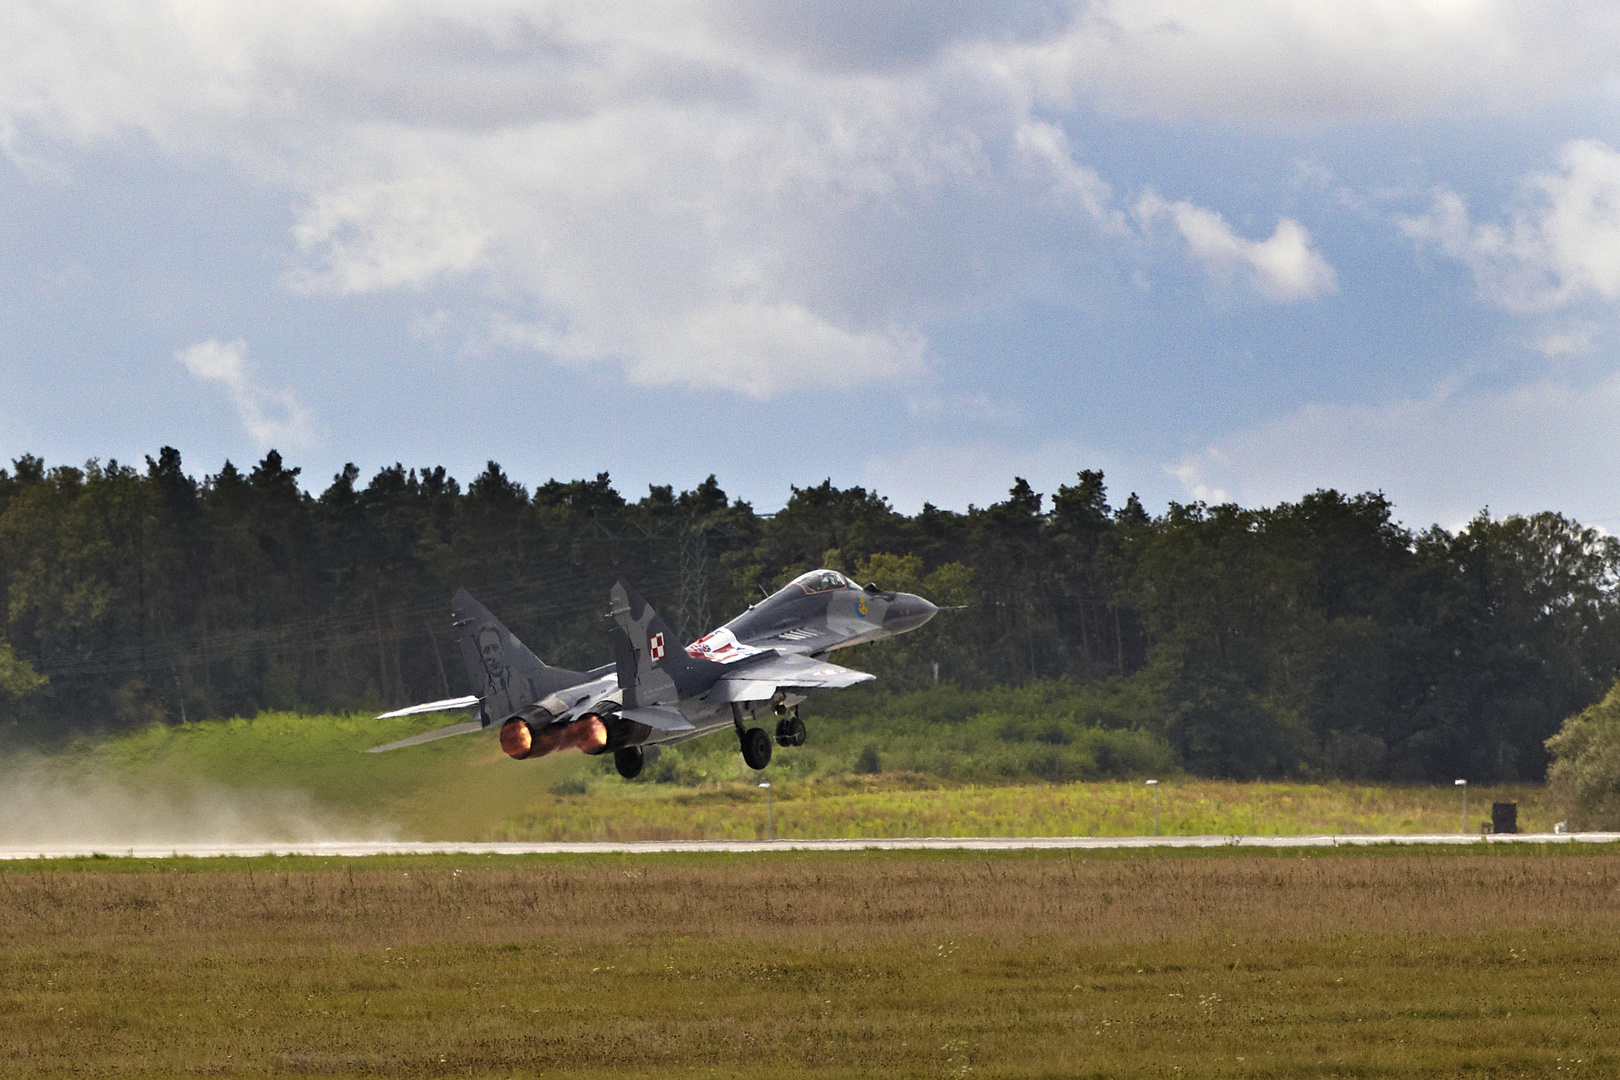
(756, 745)
(629, 760)
(756, 748)
(790, 729)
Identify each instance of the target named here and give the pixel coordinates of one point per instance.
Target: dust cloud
(43, 804)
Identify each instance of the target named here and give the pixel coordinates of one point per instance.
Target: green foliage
(1321, 638)
(1585, 773)
(1312, 639)
(17, 676)
(1051, 729)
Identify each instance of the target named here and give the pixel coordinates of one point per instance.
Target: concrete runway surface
(348, 848)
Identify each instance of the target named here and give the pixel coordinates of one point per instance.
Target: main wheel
(629, 760)
(790, 731)
(756, 748)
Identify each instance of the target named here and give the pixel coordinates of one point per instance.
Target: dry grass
(1369, 965)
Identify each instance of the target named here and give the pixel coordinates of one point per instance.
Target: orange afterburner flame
(588, 733)
(516, 738)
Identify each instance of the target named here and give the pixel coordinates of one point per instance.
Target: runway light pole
(1154, 784)
(770, 829)
(1464, 785)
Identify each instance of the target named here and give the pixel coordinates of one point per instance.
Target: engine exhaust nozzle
(520, 740)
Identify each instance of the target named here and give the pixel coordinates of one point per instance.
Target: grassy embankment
(465, 788)
(1373, 964)
(920, 806)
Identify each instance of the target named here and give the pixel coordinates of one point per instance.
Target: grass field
(285, 776)
(1376, 963)
(899, 806)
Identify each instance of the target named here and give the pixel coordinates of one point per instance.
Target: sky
(1224, 251)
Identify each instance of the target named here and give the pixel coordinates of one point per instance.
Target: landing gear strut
(629, 760)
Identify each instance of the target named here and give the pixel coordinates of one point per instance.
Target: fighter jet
(655, 693)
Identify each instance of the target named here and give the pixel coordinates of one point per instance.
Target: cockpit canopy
(818, 581)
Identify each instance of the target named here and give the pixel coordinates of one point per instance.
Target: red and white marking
(720, 646)
(655, 646)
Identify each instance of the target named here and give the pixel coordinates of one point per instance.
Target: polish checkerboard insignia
(655, 646)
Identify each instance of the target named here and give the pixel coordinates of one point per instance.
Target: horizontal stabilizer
(446, 705)
(428, 736)
(662, 717)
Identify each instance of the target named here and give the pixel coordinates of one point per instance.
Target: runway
(361, 848)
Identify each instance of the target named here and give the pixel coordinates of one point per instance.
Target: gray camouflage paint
(656, 691)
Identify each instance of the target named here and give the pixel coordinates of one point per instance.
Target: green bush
(1585, 773)
(1052, 729)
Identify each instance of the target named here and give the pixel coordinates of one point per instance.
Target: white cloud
(738, 194)
(1283, 267)
(372, 237)
(1561, 244)
(1573, 339)
(1048, 146)
(754, 348)
(1327, 60)
(1548, 444)
(271, 415)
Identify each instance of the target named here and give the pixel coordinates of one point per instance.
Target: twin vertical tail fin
(653, 667)
(505, 675)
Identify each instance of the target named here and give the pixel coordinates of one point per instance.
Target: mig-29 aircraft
(656, 693)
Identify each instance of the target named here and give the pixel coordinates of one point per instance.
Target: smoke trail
(42, 803)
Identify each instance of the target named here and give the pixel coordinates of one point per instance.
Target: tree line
(1316, 638)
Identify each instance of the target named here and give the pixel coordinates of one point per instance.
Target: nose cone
(907, 612)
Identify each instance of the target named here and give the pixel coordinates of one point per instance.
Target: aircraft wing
(762, 678)
(433, 706)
